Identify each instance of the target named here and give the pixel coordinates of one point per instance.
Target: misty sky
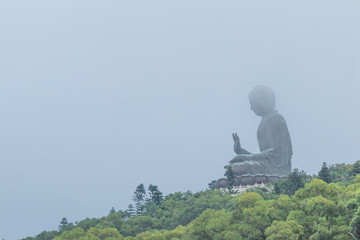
(99, 96)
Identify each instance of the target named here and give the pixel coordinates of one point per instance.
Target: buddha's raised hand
(237, 145)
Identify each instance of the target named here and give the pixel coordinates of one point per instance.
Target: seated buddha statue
(273, 137)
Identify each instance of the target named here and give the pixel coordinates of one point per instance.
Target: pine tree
(112, 211)
(139, 198)
(63, 224)
(155, 195)
(355, 170)
(296, 180)
(130, 210)
(277, 188)
(293, 182)
(324, 173)
(230, 177)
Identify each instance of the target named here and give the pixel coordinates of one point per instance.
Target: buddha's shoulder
(275, 117)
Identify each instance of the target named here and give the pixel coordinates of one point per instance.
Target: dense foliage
(301, 207)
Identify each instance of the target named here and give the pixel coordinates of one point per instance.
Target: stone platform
(246, 179)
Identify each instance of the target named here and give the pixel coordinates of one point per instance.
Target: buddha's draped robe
(275, 148)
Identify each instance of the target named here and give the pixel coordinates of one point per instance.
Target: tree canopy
(301, 207)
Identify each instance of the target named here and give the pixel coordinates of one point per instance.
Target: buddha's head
(262, 100)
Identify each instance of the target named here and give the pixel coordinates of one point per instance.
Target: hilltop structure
(273, 162)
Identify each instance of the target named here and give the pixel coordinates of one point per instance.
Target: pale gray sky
(99, 96)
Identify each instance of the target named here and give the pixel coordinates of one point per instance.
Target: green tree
(355, 224)
(155, 195)
(253, 212)
(176, 233)
(91, 234)
(339, 172)
(45, 235)
(112, 211)
(320, 208)
(316, 211)
(209, 225)
(104, 223)
(88, 223)
(65, 225)
(105, 233)
(139, 198)
(280, 230)
(324, 173)
(277, 188)
(230, 177)
(71, 235)
(294, 181)
(116, 219)
(138, 224)
(130, 211)
(355, 170)
(265, 193)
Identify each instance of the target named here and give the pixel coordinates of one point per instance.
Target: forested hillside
(323, 206)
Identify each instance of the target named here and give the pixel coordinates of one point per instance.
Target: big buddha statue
(273, 162)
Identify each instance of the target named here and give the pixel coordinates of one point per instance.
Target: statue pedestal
(247, 179)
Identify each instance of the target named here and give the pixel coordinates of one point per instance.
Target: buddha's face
(262, 101)
(255, 107)
(258, 107)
